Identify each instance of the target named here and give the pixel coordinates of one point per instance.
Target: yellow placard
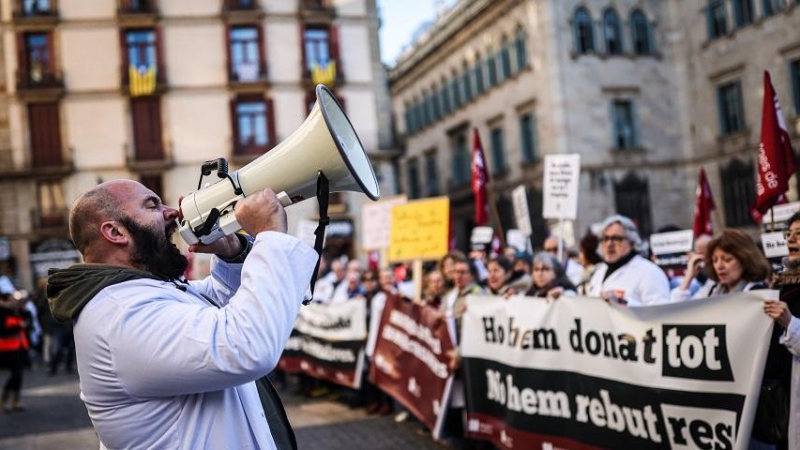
(420, 230)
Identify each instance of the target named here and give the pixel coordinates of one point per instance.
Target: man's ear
(114, 232)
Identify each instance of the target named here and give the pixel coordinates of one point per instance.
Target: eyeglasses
(791, 234)
(551, 249)
(542, 269)
(614, 239)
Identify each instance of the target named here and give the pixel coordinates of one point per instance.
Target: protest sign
(522, 215)
(420, 230)
(411, 357)
(580, 373)
(376, 222)
(671, 250)
(561, 178)
(327, 342)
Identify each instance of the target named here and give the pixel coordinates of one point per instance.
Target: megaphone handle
(323, 194)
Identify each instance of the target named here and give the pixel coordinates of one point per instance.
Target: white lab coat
(162, 368)
(639, 281)
(791, 339)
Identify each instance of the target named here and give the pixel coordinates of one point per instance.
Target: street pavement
(55, 419)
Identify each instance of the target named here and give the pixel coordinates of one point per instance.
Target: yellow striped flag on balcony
(141, 81)
(324, 75)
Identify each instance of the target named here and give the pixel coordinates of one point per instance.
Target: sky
(399, 20)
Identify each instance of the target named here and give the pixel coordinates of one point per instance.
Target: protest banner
(410, 360)
(327, 342)
(580, 373)
(376, 222)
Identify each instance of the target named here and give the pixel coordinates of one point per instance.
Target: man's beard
(154, 252)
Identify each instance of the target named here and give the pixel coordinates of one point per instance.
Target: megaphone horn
(325, 142)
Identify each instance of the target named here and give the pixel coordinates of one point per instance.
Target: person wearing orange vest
(13, 345)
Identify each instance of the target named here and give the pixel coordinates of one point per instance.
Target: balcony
(241, 11)
(317, 10)
(142, 83)
(35, 14)
(248, 78)
(132, 13)
(49, 221)
(37, 170)
(331, 77)
(147, 160)
(44, 84)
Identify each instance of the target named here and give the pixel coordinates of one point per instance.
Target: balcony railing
(137, 7)
(246, 76)
(39, 79)
(317, 10)
(142, 82)
(141, 160)
(240, 5)
(49, 219)
(35, 11)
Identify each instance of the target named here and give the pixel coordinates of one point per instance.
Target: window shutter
(228, 50)
(262, 53)
(273, 138)
(334, 43)
(162, 69)
(303, 63)
(22, 56)
(234, 128)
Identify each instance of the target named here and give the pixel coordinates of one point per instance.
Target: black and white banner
(327, 342)
(579, 373)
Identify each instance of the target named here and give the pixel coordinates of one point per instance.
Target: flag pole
(493, 209)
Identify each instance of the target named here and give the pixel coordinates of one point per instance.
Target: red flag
(479, 179)
(703, 205)
(775, 155)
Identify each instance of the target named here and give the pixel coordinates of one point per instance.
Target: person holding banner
(500, 273)
(625, 276)
(549, 278)
(735, 264)
(783, 359)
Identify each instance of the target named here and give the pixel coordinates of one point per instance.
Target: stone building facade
(638, 88)
(150, 89)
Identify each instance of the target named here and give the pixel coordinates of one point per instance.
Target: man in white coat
(166, 363)
(625, 276)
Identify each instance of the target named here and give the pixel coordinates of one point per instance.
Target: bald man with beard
(170, 363)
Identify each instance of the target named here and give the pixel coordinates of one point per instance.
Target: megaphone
(325, 143)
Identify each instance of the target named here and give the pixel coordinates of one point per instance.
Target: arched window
(632, 199)
(466, 81)
(478, 70)
(612, 32)
(520, 47)
(444, 94)
(505, 59)
(738, 192)
(584, 31)
(640, 34)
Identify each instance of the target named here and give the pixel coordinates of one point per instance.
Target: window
(498, 150)
(137, 6)
(321, 53)
(717, 18)
(624, 121)
(437, 107)
(432, 174)
(413, 179)
(491, 69)
(455, 89)
(461, 159)
(52, 209)
(640, 34)
(253, 125)
(520, 47)
(632, 199)
(505, 59)
(142, 61)
(409, 117)
(794, 74)
(738, 192)
(584, 31)
(45, 135)
(773, 6)
(444, 94)
(466, 81)
(245, 53)
(36, 7)
(240, 4)
(731, 108)
(37, 65)
(478, 69)
(612, 32)
(527, 127)
(147, 138)
(743, 12)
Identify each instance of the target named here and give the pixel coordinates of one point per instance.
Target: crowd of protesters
(614, 265)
